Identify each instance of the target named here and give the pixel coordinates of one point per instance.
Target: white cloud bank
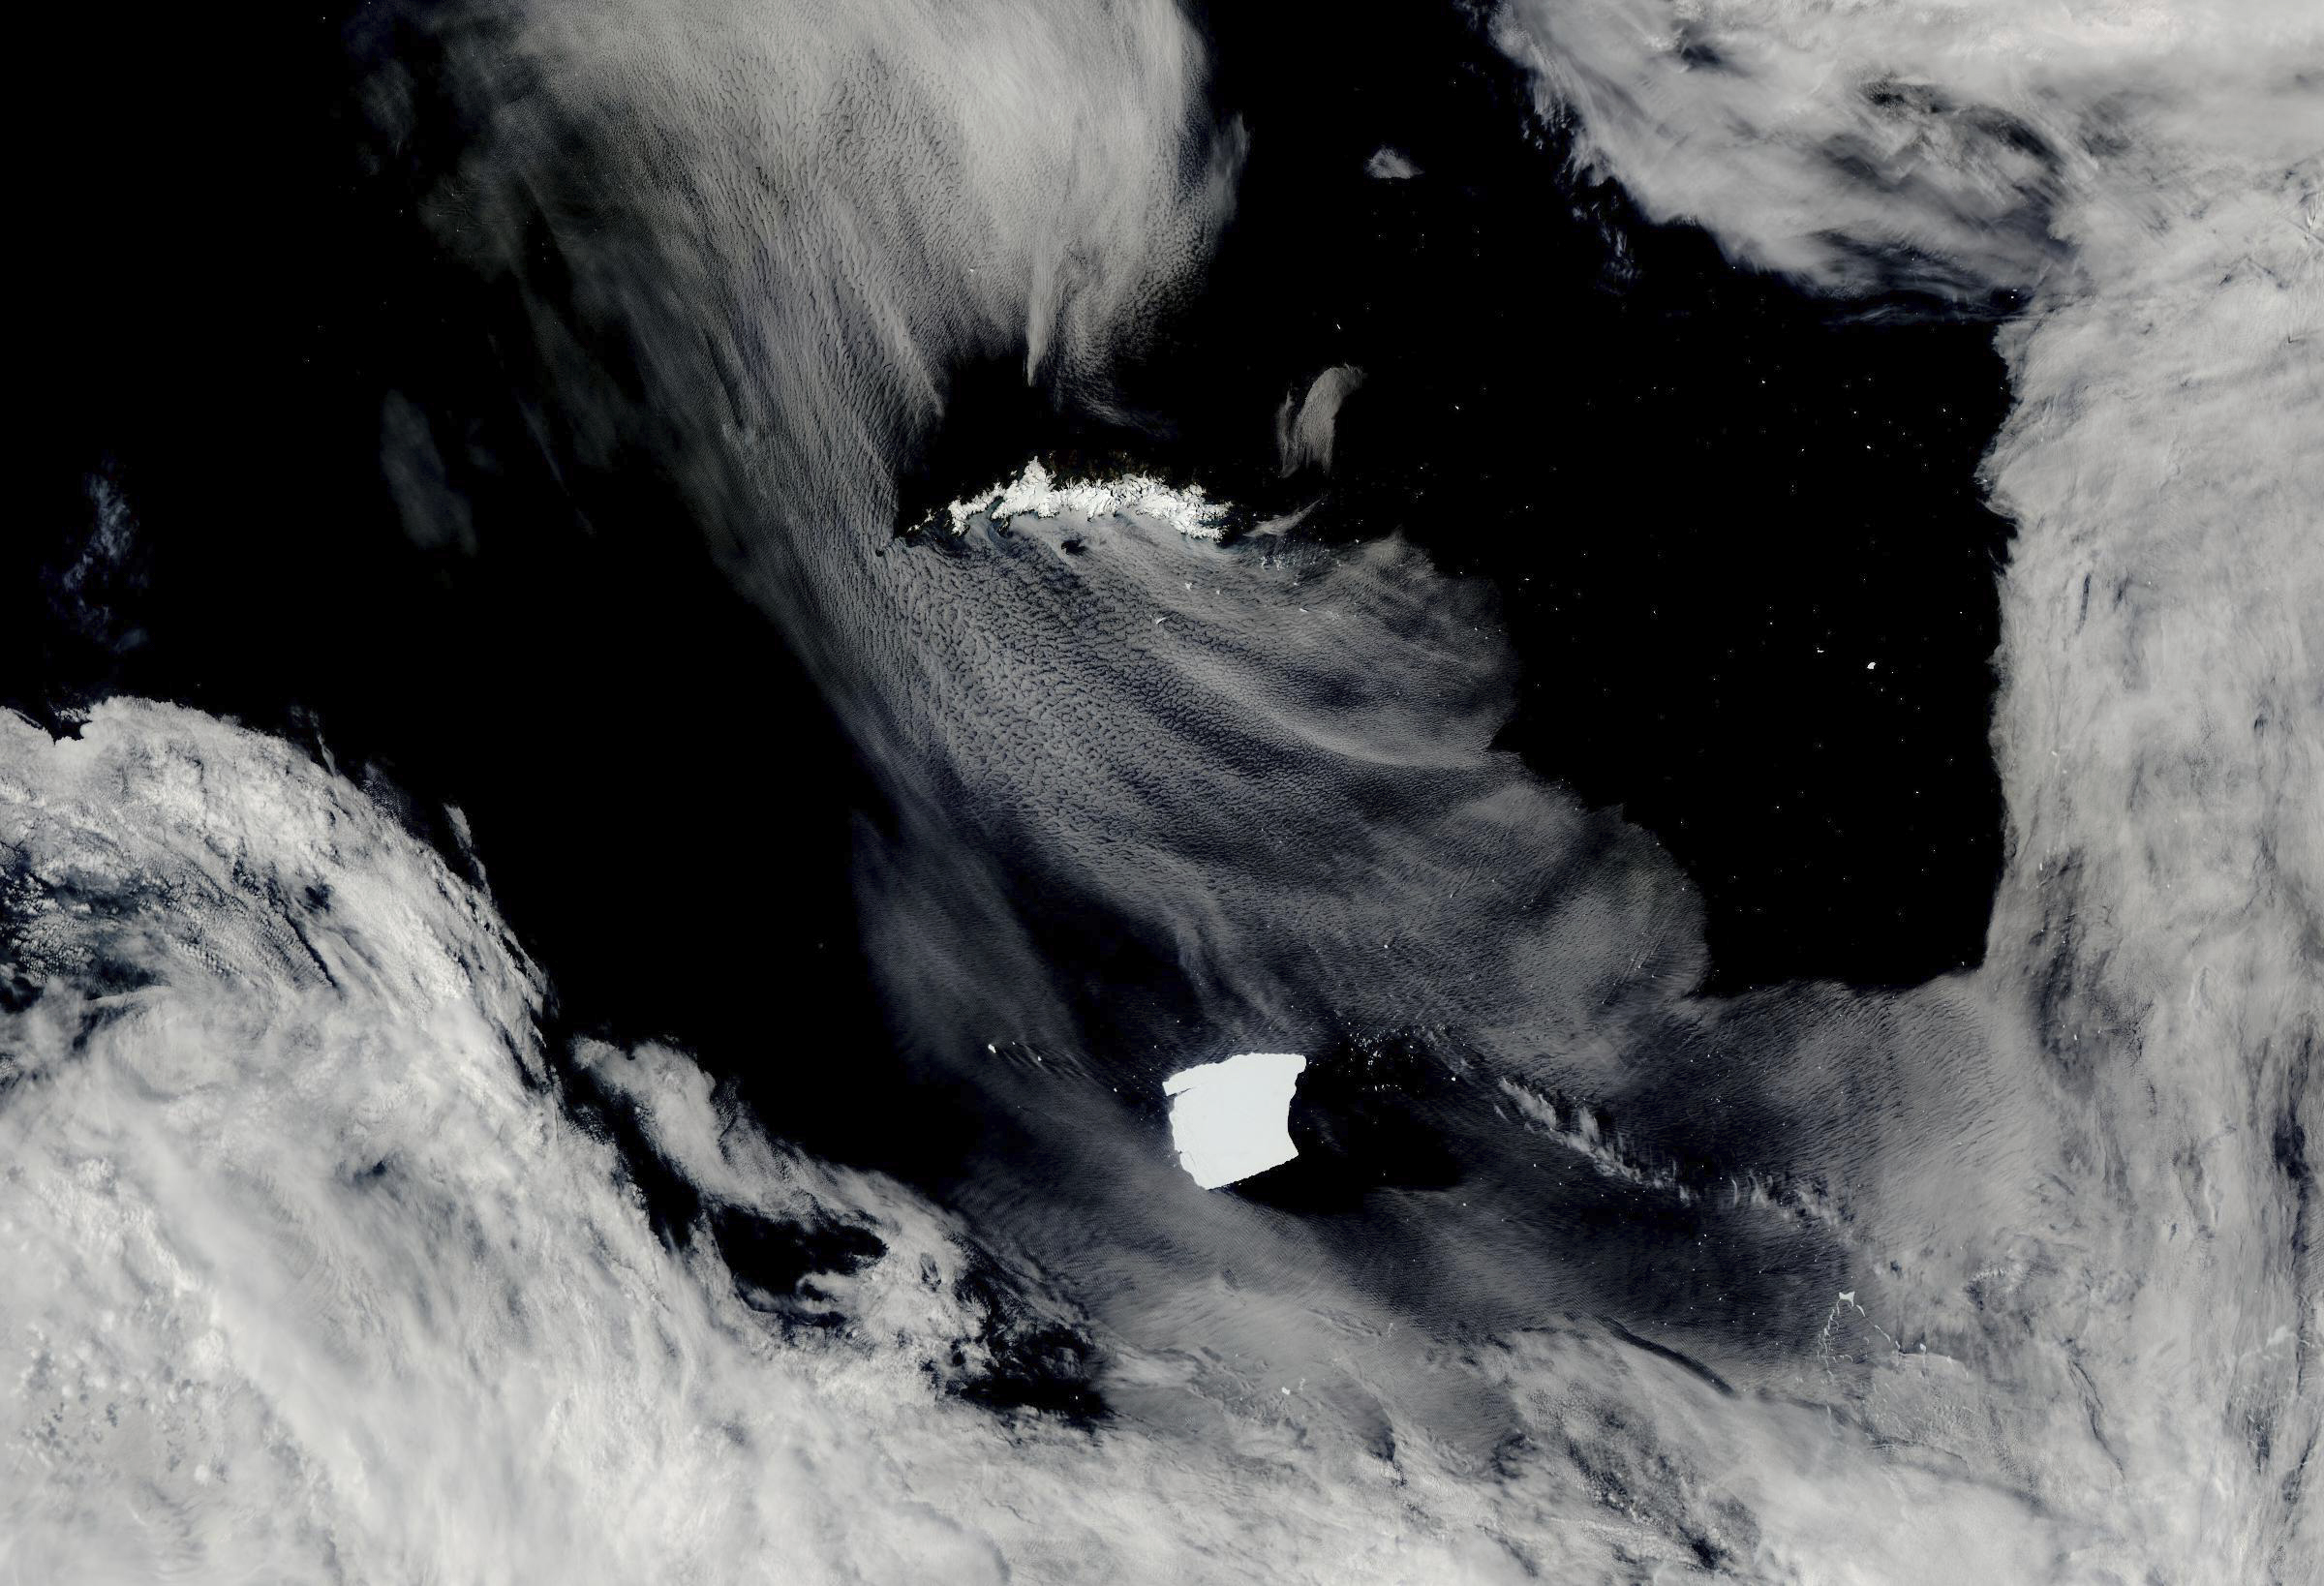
(311, 1280)
(2151, 177)
(313, 1277)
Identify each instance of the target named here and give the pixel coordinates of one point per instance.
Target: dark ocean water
(1734, 531)
(1733, 537)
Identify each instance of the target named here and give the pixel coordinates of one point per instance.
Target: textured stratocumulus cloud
(1272, 762)
(2150, 178)
(315, 1277)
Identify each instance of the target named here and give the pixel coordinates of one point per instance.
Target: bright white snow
(1231, 1120)
(1035, 492)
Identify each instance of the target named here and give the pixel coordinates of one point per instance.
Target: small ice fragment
(1229, 1120)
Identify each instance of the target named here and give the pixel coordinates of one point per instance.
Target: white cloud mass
(2150, 179)
(313, 1278)
(317, 1277)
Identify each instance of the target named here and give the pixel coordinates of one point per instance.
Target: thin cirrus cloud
(800, 217)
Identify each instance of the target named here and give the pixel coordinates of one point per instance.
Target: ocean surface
(665, 657)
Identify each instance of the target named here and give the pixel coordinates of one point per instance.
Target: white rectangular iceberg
(1231, 1120)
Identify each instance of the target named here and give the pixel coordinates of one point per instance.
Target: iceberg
(1229, 1120)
